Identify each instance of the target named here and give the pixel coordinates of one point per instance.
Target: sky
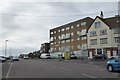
(26, 24)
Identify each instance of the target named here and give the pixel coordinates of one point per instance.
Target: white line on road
(88, 76)
(9, 70)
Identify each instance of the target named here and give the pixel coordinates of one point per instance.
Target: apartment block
(45, 47)
(71, 37)
(103, 36)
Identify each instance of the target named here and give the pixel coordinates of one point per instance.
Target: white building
(103, 36)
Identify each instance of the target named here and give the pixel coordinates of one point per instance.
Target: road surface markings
(88, 75)
(9, 70)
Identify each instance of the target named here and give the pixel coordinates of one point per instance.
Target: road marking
(88, 75)
(9, 70)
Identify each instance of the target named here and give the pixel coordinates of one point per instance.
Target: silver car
(2, 59)
(15, 58)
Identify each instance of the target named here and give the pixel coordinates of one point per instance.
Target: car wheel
(110, 68)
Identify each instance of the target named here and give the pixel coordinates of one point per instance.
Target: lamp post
(6, 47)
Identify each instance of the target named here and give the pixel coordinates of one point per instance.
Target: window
(83, 23)
(103, 32)
(78, 46)
(103, 41)
(83, 38)
(116, 30)
(97, 24)
(52, 43)
(59, 49)
(63, 41)
(68, 35)
(71, 27)
(54, 31)
(72, 40)
(55, 49)
(84, 46)
(63, 36)
(58, 41)
(93, 42)
(51, 49)
(78, 25)
(72, 47)
(51, 32)
(93, 33)
(59, 37)
(54, 37)
(83, 32)
(67, 28)
(58, 30)
(78, 32)
(116, 39)
(99, 51)
(78, 39)
(67, 40)
(63, 29)
(72, 34)
(51, 39)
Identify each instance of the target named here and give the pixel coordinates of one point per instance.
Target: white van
(45, 56)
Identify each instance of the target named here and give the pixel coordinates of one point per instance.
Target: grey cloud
(31, 30)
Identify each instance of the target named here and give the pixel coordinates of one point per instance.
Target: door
(117, 63)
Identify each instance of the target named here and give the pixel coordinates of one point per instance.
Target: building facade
(70, 37)
(45, 47)
(103, 36)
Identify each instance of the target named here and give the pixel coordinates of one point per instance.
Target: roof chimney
(101, 14)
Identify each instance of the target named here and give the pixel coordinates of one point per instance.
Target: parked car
(25, 57)
(15, 58)
(73, 56)
(2, 59)
(45, 56)
(99, 56)
(113, 64)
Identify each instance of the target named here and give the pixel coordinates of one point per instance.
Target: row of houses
(87, 36)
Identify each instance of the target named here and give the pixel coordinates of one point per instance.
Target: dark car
(99, 56)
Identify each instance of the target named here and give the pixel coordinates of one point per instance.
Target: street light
(6, 47)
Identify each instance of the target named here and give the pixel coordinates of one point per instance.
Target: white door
(90, 55)
(108, 54)
(114, 53)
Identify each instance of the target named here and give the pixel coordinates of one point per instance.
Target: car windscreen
(47, 55)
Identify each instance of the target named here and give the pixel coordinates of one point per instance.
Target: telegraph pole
(6, 47)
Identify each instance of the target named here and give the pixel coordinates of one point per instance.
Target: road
(41, 68)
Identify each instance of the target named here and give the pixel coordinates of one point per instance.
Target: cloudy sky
(26, 24)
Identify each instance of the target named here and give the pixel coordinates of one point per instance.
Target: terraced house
(103, 36)
(70, 37)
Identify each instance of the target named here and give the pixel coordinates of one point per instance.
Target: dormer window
(83, 23)
(97, 24)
